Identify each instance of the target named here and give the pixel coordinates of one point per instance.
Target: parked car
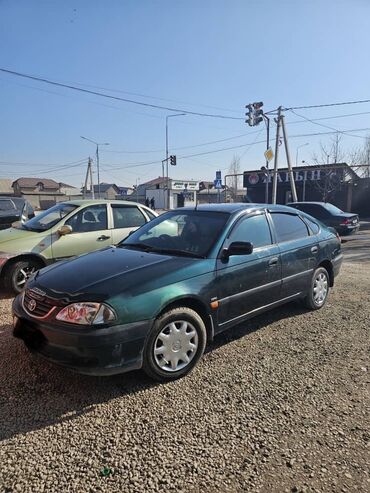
(13, 209)
(344, 222)
(63, 231)
(155, 299)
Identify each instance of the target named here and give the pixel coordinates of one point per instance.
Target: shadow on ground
(35, 394)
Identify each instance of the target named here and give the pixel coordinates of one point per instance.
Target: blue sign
(217, 184)
(218, 175)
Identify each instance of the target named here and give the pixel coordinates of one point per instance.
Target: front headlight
(86, 314)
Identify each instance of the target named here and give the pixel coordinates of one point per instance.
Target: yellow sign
(269, 154)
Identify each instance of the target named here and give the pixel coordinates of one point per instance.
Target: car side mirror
(237, 248)
(65, 230)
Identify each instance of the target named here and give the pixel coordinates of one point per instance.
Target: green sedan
(66, 230)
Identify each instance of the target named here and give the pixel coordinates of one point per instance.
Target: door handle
(103, 237)
(273, 261)
(314, 249)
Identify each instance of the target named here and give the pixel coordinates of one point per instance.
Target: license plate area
(33, 338)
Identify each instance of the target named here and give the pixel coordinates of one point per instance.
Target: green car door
(89, 231)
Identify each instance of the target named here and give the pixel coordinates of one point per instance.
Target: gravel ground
(277, 404)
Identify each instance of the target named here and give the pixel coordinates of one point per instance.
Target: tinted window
(93, 218)
(289, 227)
(7, 205)
(333, 209)
(127, 217)
(312, 225)
(182, 232)
(253, 229)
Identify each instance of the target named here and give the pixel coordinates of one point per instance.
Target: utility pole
(274, 184)
(290, 171)
(267, 121)
(88, 177)
(97, 158)
(167, 157)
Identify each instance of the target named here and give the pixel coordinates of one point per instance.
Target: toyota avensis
(158, 297)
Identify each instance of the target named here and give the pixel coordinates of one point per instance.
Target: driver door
(90, 232)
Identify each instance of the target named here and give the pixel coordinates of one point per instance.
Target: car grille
(36, 305)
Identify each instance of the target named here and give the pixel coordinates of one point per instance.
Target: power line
(136, 165)
(360, 101)
(117, 98)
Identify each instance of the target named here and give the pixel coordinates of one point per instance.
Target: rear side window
(127, 217)
(314, 227)
(288, 227)
(254, 229)
(150, 214)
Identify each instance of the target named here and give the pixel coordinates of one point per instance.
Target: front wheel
(18, 273)
(319, 289)
(175, 344)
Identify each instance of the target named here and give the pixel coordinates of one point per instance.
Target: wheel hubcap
(320, 289)
(23, 275)
(175, 346)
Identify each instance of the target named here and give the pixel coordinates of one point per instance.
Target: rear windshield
(333, 209)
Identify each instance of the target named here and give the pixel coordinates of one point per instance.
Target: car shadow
(35, 394)
(6, 295)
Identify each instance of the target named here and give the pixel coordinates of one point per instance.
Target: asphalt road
(279, 404)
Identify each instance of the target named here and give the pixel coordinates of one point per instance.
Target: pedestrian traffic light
(173, 160)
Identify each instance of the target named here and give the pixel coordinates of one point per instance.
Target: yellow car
(65, 230)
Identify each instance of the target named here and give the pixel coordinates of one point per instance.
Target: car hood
(106, 273)
(15, 235)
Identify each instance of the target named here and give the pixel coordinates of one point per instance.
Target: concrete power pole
(274, 183)
(87, 178)
(290, 171)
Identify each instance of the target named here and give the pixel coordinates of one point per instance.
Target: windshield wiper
(173, 251)
(139, 246)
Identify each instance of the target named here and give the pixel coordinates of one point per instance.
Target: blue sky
(210, 56)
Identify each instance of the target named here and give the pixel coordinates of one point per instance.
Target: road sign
(217, 184)
(269, 154)
(218, 175)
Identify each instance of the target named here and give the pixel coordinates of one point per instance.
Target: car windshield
(48, 218)
(333, 209)
(188, 233)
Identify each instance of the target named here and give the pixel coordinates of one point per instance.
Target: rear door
(126, 218)
(90, 232)
(248, 282)
(299, 252)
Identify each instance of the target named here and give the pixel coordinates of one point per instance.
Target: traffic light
(249, 115)
(255, 114)
(173, 160)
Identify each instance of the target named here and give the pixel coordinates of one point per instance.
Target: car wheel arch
(329, 267)
(24, 256)
(195, 304)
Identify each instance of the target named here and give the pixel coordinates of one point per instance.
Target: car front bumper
(91, 351)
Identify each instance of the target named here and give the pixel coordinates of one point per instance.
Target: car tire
(319, 289)
(17, 273)
(179, 334)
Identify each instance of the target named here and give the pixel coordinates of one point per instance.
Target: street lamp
(97, 157)
(296, 156)
(167, 179)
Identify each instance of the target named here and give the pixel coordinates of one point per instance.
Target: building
(107, 191)
(69, 190)
(336, 183)
(42, 193)
(6, 187)
(179, 193)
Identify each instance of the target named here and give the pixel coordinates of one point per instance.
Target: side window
(7, 205)
(150, 214)
(288, 227)
(127, 217)
(312, 225)
(93, 218)
(254, 229)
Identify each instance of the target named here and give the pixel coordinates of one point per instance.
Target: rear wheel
(175, 344)
(319, 289)
(18, 273)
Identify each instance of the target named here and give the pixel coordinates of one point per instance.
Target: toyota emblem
(31, 305)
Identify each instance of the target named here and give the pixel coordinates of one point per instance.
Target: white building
(180, 193)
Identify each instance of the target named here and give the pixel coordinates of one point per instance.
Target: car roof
(101, 201)
(232, 208)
